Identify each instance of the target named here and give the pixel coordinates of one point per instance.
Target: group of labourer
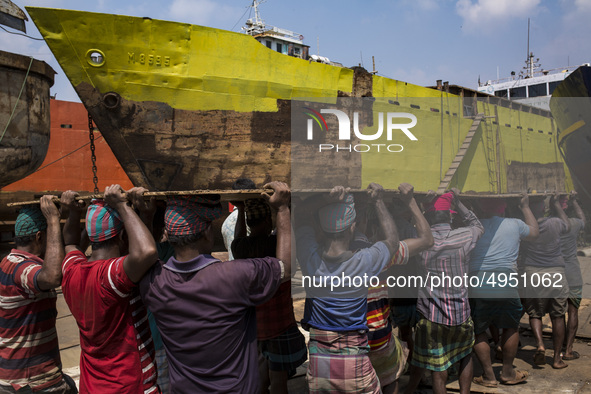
(158, 313)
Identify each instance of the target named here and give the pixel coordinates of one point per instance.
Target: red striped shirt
(29, 350)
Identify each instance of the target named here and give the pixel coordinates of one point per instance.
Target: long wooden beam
(237, 195)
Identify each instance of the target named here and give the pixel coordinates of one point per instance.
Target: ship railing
(537, 73)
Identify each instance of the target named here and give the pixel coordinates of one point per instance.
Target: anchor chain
(92, 153)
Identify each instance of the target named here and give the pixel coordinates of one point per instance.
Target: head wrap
(337, 217)
(102, 221)
(440, 203)
(256, 208)
(30, 220)
(187, 215)
(563, 202)
(494, 206)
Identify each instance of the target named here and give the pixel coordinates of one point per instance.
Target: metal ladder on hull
(444, 184)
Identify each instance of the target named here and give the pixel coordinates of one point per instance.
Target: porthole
(95, 57)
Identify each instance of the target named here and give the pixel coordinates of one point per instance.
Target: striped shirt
(29, 351)
(448, 260)
(117, 349)
(378, 307)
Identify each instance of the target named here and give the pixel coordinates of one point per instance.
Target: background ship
(67, 164)
(191, 107)
(571, 107)
(532, 86)
(24, 115)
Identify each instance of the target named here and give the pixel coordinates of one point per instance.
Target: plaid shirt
(448, 304)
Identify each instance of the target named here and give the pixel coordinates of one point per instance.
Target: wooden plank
(236, 195)
(227, 195)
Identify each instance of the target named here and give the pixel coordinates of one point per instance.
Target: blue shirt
(498, 247)
(343, 308)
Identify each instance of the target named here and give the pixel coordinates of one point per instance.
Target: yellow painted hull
(191, 107)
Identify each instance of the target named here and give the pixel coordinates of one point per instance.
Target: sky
(416, 41)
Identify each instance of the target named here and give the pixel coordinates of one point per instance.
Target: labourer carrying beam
(29, 351)
(117, 353)
(204, 307)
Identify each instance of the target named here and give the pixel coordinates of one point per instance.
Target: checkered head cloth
(256, 208)
(30, 220)
(102, 221)
(337, 217)
(187, 215)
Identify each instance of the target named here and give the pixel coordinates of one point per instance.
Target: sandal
(573, 357)
(540, 357)
(486, 383)
(520, 376)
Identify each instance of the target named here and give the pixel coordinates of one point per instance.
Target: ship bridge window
(501, 93)
(279, 47)
(518, 92)
(552, 86)
(268, 44)
(537, 90)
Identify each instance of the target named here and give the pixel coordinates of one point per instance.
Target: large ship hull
(24, 115)
(67, 164)
(571, 108)
(191, 107)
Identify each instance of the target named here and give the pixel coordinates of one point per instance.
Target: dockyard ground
(575, 379)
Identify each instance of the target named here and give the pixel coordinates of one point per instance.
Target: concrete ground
(576, 378)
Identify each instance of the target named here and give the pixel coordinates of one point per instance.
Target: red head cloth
(563, 202)
(493, 206)
(440, 203)
(191, 214)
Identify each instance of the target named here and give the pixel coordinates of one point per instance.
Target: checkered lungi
(339, 363)
(162, 366)
(390, 360)
(285, 352)
(438, 346)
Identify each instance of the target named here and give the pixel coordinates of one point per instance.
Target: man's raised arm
(50, 276)
(424, 238)
(279, 201)
(72, 209)
(529, 218)
(387, 224)
(142, 248)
